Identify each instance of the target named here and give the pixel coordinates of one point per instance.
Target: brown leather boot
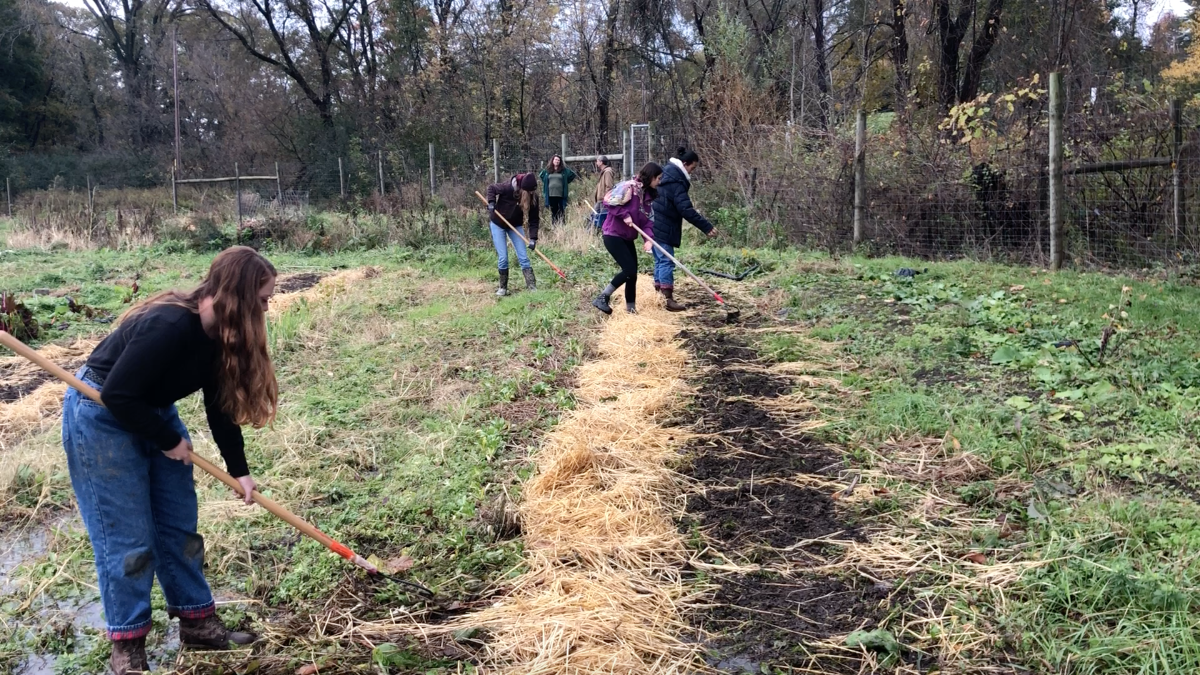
(210, 633)
(129, 657)
(672, 306)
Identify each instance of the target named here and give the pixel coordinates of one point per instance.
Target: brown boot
(210, 633)
(672, 306)
(129, 657)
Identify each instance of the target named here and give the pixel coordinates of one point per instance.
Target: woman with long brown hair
(130, 460)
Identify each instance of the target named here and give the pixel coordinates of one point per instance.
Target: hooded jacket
(673, 206)
(506, 199)
(568, 176)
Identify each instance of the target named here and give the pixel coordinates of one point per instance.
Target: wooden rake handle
(518, 233)
(216, 472)
(675, 260)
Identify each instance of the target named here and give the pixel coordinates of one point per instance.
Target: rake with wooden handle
(279, 511)
(518, 233)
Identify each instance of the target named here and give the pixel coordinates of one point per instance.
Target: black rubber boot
(210, 633)
(601, 301)
(503, 290)
(129, 657)
(530, 282)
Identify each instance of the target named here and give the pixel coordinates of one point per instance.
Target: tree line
(306, 80)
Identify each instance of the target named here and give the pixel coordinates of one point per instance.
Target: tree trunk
(980, 50)
(899, 53)
(608, 67)
(821, 53)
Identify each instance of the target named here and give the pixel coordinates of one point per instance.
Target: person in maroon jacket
(513, 200)
(619, 233)
(130, 459)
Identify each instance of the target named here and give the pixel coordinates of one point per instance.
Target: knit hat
(527, 182)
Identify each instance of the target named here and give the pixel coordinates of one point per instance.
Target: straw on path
(602, 590)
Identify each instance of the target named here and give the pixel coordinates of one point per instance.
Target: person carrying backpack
(629, 202)
(513, 200)
(673, 206)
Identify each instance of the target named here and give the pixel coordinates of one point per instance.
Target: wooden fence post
(381, 173)
(432, 187)
(860, 175)
(8, 193)
(1176, 169)
(495, 160)
(91, 206)
(237, 189)
(174, 193)
(564, 149)
(1055, 170)
(341, 180)
(278, 187)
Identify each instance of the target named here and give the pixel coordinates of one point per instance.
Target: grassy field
(994, 466)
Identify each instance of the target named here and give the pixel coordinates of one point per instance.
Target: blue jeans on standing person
(598, 219)
(500, 237)
(139, 507)
(664, 269)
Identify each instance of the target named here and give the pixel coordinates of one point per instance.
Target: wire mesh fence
(1129, 194)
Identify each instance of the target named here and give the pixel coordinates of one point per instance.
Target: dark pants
(624, 251)
(557, 206)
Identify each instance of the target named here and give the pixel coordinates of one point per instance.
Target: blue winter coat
(673, 206)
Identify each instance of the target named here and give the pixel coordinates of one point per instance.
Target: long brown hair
(249, 391)
(561, 165)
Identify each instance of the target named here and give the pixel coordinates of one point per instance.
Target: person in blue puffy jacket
(673, 206)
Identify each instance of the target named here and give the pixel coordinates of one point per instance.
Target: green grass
(1103, 445)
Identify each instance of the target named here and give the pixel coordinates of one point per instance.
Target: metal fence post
(495, 160)
(237, 189)
(860, 175)
(1054, 207)
(8, 192)
(341, 180)
(432, 187)
(1176, 169)
(625, 154)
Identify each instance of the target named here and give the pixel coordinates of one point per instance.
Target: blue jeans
(139, 507)
(598, 219)
(664, 269)
(500, 236)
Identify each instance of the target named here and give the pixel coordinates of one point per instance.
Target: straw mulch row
(602, 590)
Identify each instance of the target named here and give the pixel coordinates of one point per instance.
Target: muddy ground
(752, 509)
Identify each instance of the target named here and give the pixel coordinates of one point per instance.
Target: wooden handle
(279, 511)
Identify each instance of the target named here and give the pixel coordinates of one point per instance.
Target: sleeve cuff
(167, 440)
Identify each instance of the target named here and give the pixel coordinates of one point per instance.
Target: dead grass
(602, 591)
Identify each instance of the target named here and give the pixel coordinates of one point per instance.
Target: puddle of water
(18, 548)
(37, 665)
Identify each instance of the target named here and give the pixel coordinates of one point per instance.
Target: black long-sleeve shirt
(507, 201)
(152, 361)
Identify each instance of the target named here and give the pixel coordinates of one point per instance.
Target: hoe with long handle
(518, 233)
(287, 516)
(720, 300)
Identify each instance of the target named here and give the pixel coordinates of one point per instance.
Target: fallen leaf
(310, 669)
(955, 444)
(401, 564)
(1062, 301)
(976, 558)
(1016, 289)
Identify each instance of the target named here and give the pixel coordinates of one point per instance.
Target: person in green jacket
(555, 179)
